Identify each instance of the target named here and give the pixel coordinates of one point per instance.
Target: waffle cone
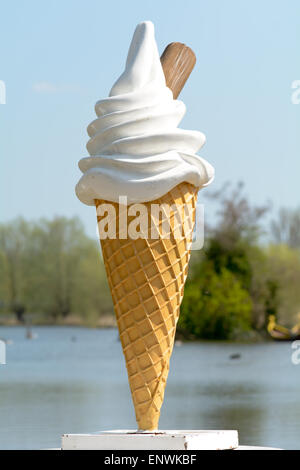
(146, 278)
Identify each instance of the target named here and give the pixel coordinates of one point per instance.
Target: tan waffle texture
(146, 278)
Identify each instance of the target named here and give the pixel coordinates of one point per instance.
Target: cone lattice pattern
(146, 277)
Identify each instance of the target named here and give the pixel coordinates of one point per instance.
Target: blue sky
(59, 57)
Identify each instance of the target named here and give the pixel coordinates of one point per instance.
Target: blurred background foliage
(51, 272)
(245, 272)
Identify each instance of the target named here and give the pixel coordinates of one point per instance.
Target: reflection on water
(74, 380)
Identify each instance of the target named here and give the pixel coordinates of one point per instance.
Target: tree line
(50, 269)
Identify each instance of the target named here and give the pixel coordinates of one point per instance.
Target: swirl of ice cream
(136, 149)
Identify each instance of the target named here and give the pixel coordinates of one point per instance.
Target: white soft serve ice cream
(135, 145)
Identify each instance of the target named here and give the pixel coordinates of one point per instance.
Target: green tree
(68, 272)
(51, 268)
(13, 245)
(233, 269)
(215, 306)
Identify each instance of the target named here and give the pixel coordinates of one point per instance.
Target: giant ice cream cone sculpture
(146, 278)
(137, 151)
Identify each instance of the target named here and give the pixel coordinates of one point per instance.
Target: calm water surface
(73, 380)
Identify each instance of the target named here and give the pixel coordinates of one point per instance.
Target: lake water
(73, 380)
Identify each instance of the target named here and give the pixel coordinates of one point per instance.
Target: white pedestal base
(159, 440)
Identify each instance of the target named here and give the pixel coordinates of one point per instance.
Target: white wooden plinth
(156, 440)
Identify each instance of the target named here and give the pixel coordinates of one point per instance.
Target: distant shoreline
(104, 321)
